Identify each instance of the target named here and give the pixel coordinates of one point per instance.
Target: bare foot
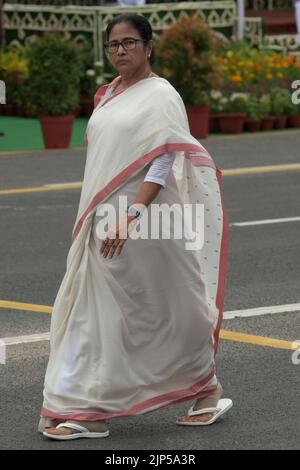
(208, 402)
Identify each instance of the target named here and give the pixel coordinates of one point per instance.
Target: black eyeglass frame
(117, 43)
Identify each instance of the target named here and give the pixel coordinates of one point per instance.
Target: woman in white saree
(136, 321)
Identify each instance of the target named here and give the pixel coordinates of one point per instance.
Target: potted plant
(215, 108)
(267, 121)
(93, 80)
(253, 114)
(232, 117)
(186, 56)
(293, 113)
(13, 71)
(55, 69)
(280, 99)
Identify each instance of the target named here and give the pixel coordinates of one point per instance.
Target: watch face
(131, 211)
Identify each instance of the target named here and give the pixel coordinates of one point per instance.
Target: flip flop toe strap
(73, 426)
(202, 411)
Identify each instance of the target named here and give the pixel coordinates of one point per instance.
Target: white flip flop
(223, 405)
(83, 432)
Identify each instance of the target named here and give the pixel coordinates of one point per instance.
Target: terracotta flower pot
(57, 130)
(198, 117)
(20, 111)
(252, 125)
(76, 112)
(232, 123)
(213, 123)
(86, 106)
(280, 122)
(294, 121)
(267, 123)
(9, 110)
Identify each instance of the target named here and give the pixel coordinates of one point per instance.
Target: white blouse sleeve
(160, 169)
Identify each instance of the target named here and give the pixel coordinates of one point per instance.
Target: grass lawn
(25, 133)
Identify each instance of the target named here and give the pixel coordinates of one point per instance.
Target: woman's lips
(122, 61)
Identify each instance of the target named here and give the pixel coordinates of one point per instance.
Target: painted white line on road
(265, 221)
(252, 170)
(64, 184)
(231, 314)
(26, 339)
(254, 312)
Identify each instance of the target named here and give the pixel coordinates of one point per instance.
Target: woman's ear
(150, 47)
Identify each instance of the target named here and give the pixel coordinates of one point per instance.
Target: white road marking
(265, 221)
(64, 184)
(229, 315)
(253, 312)
(13, 340)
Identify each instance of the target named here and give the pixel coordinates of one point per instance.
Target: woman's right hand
(115, 240)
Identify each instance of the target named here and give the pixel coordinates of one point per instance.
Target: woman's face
(128, 60)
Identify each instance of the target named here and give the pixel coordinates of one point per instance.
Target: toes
(204, 417)
(182, 418)
(59, 431)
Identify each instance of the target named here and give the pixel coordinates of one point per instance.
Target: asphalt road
(264, 270)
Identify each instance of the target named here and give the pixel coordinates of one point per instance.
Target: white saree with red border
(138, 332)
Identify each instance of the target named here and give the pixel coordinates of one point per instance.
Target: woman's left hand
(113, 244)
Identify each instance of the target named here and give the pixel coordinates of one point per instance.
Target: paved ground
(263, 271)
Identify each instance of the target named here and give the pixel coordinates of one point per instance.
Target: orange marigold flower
(235, 78)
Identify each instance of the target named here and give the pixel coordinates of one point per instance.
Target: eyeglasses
(128, 44)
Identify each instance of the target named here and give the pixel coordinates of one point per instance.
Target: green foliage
(280, 102)
(185, 55)
(293, 109)
(248, 69)
(13, 71)
(265, 106)
(236, 103)
(216, 99)
(55, 69)
(253, 109)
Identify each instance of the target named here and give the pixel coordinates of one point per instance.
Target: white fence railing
(22, 23)
(88, 23)
(270, 4)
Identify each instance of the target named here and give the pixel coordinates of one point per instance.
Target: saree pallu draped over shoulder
(138, 332)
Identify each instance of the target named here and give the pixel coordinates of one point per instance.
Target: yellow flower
(166, 72)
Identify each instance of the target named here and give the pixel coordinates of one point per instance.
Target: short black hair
(138, 22)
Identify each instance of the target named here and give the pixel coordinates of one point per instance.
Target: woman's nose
(122, 49)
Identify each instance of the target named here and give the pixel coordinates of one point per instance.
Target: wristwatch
(133, 212)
